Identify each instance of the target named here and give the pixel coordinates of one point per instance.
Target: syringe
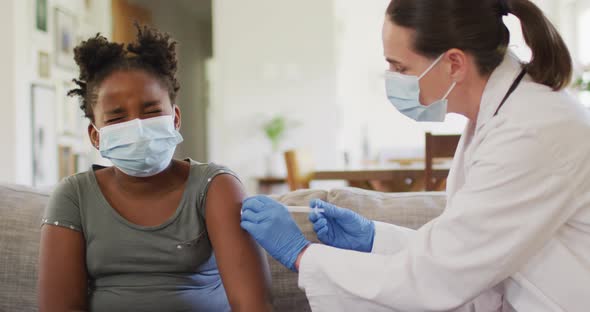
(301, 209)
(305, 209)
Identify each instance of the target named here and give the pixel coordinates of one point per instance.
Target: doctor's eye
(398, 69)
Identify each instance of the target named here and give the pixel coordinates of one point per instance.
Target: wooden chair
(438, 146)
(300, 169)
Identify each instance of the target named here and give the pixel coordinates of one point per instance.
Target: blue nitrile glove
(272, 227)
(342, 228)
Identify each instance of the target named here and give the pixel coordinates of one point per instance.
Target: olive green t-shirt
(169, 267)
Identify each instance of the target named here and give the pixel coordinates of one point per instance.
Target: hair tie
(504, 8)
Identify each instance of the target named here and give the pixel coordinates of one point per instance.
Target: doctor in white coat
(515, 234)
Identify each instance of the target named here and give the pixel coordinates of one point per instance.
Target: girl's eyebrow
(116, 110)
(150, 103)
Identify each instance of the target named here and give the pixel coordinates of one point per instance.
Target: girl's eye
(114, 119)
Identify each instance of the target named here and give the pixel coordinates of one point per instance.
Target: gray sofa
(21, 210)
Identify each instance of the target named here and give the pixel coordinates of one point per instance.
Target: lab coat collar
(497, 87)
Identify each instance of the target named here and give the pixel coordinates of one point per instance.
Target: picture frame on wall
(66, 26)
(70, 117)
(44, 136)
(41, 15)
(44, 65)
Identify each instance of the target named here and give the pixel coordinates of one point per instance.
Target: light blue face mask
(403, 91)
(140, 147)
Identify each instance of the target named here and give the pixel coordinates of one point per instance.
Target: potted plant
(275, 130)
(581, 88)
(581, 84)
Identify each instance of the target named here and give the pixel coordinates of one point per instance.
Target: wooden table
(267, 185)
(390, 178)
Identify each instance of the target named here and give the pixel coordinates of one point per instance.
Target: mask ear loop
(450, 90)
(431, 66)
(95, 128)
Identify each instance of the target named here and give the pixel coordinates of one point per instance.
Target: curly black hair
(97, 58)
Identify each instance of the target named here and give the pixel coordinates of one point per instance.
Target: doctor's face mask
(403, 91)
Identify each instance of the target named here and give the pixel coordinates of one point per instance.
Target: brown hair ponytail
(477, 27)
(551, 64)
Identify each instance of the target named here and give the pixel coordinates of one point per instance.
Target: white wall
(272, 56)
(7, 105)
(573, 26)
(19, 32)
(194, 44)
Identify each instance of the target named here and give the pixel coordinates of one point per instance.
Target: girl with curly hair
(150, 233)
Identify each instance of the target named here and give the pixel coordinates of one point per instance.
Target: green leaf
(275, 130)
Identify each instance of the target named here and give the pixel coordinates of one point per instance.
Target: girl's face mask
(140, 147)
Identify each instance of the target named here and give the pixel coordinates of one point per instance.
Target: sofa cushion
(411, 210)
(300, 197)
(21, 211)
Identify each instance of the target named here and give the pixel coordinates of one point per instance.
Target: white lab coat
(515, 235)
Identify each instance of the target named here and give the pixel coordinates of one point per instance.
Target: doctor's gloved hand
(271, 225)
(342, 228)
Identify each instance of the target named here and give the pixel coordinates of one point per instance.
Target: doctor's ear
(459, 63)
